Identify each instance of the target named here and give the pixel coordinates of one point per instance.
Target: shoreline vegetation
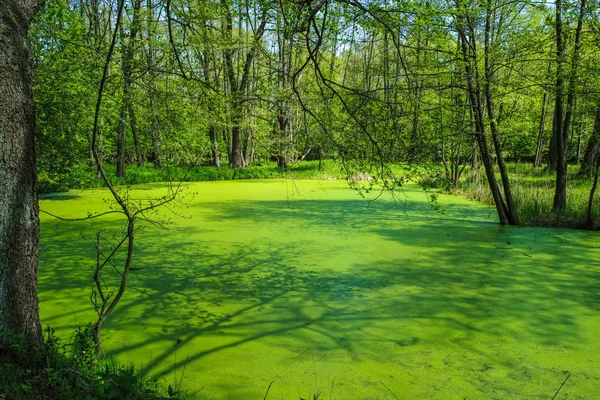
(533, 187)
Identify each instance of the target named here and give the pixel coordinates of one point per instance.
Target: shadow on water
(58, 196)
(251, 289)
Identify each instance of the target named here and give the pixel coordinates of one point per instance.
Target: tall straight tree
(239, 85)
(19, 222)
(127, 106)
(465, 26)
(151, 82)
(591, 150)
(511, 209)
(562, 117)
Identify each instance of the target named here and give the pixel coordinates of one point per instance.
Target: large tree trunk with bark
(19, 223)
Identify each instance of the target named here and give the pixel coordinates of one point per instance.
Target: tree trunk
(282, 122)
(591, 149)
(99, 151)
(128, 79)
(510, 204)
(134, 132)
(121, 145)
(155, 128)
(563, 125)
(19, 222)
(239, 90)
(469, 55)
(590, 208)
(249, 151)
(560, 194)
(552, 151)
(214, 144)
(237, 158)
(540, 142)
(155, 125)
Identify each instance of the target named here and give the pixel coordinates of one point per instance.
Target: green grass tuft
(533, 191)
(70, 372)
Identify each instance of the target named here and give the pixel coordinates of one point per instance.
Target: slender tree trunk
(19, 222)
(469, 54)
(560, 194)
(572, 77)
(134, 132)
(155, 129)
(563, 124)
(415, 135)
(128, 79)
(579, 130)
(540, 142)
(590, 208)
(99, 151)
(237, 158)
(591, 150)
(249, 151)
(121, 144)
(239, 90)
(510, 204)
(155, 125)
(216, 161)
(284, 45)
(552, 147)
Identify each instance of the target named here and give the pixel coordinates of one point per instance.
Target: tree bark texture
(19, 222)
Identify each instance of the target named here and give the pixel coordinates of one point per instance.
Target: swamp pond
(303, 287)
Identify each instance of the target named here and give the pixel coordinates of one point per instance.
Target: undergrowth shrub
(72, 372)
(84, 176)
(533, 192)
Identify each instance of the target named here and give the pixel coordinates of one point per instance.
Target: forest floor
(284, 289)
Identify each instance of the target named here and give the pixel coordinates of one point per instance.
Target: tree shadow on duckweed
(383, 300)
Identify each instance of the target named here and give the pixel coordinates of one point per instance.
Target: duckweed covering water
(309, 288)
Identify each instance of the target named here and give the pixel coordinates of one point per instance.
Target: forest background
(463, 86)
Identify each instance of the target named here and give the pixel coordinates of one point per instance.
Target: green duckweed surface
(307, 288)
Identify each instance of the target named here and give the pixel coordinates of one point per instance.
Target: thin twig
(304, 352)
(389, 390)
(269, 388)
(83, 218)
(565, 381)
